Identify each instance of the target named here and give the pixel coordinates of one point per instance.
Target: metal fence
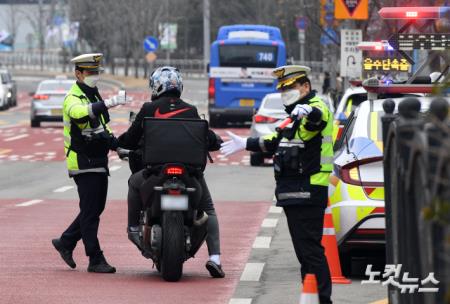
(417, 196)
(59, 62)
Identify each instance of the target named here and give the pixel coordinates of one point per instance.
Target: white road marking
(269, 223)
(275, 209)
(235, 163)
(62, 189)
(240, 301)
(252, 272)
(115, 168)
(29, 203)
(262, 242)
(16, 137)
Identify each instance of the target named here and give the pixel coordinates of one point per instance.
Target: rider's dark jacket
(166, 106)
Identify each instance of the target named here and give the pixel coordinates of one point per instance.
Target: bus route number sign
(264, 57)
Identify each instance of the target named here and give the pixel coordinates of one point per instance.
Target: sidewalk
(279, 281)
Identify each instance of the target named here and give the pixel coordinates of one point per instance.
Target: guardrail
(417, 195)
(60, 62)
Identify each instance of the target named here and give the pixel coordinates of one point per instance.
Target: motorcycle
(172, 228)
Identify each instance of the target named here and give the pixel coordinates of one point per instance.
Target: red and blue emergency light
(413, 13)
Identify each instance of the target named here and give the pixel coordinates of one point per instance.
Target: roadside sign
(325, 39)
(409, 42)
(150, 44)
(301, 23)
(168, 35)
(351, 9)
(386, 64)
(150, 57)
(351, 56)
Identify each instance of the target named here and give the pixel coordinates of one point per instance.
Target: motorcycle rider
(166, 86)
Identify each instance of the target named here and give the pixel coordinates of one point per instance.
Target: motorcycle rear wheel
(173, 246)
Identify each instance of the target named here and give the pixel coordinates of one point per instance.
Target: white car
(268, 117)
(4, 96)
(356, 190)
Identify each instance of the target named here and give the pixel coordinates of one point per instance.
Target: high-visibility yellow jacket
(87, 137)
(303, 157)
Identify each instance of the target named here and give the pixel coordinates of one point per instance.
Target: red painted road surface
(22, 143)
(31, 271)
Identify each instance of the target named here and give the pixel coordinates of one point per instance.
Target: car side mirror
(31, 94)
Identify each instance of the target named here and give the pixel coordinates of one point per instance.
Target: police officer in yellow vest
(87, 141)
(303, 156)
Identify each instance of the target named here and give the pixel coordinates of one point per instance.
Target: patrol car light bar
(414, 13)
(381, 46)
(398, 88)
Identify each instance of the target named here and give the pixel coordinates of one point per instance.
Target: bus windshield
(255, 56)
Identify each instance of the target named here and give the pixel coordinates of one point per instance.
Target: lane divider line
(275, 209)
(262, 242)
(269, 223)
(63, 189)
(240, 301)
(16, 137)
(29, 203)
(252, 272)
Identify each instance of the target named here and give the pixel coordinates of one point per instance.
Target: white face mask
(290, 97)
(91, 80)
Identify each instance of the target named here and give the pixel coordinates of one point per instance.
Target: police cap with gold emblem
(90, 62)
(287, 75)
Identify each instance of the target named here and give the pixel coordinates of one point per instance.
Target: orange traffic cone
(309, 293)
(331, 249)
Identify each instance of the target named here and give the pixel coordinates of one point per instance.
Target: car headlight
(9, 95)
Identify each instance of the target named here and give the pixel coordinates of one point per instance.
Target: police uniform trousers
(306, 228)
(92, 190)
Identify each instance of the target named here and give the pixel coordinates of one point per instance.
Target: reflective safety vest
(303, 159)
(86, 136)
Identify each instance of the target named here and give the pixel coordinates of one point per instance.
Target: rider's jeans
(206, 204)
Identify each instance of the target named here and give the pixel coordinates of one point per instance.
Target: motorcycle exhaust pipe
(202, 220)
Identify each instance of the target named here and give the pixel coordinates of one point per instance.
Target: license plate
(247, 102)
(56, 112)
(174, 202)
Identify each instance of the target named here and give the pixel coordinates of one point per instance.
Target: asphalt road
(38, 201)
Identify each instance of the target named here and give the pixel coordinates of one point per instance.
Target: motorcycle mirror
(132, 117)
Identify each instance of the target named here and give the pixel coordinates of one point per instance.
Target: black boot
(100, 265)
(133, 236)
(66, 254)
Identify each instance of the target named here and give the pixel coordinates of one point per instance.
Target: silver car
(269, 115)
(47, 102)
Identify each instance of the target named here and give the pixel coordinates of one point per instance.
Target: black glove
(113, 142)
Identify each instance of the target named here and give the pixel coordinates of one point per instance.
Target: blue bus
(240, 71)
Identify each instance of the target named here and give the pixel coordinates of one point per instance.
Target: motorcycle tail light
(174, 171)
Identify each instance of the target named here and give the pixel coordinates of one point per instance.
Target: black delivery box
(175, 141)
